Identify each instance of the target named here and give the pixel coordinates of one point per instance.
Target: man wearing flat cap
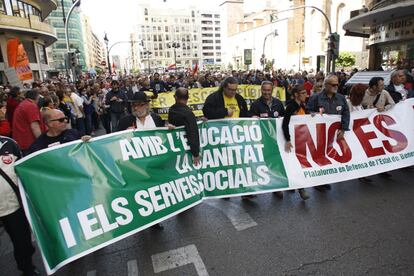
(141, 117)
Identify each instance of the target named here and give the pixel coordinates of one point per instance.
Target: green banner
(80, 197)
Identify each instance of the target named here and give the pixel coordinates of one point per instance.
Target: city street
(354, 229)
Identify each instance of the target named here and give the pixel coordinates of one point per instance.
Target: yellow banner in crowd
(199, 95)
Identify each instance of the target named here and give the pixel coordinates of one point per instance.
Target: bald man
(57, 132)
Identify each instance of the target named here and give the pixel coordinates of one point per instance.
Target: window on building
(161, 54)
(146, 11)
(217, 35)
(155, 37)
(217, 22)
(167, 37)
(218, 41)
(217, 16)
(2, 7)
(195, 37)
(166, 29)
(168, 54)
(30, 51)
(159, 28)
(159, 38)
(217, 29)
(156, 54)
(42, 53)
(160, 46)
(192, 14)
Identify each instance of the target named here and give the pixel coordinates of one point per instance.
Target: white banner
(376, 142)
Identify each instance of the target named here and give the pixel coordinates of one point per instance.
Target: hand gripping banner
(80, 197)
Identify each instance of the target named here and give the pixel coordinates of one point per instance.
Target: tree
(345, 59)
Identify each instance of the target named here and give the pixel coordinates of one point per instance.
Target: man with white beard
(141, 117)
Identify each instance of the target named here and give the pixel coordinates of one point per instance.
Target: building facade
(26, 20)
(92, 45)
(172, 36)
(389, 27)
(294, 39)
(58, 50)
(210, 39)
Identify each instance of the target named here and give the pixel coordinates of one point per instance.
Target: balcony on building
(22, 17)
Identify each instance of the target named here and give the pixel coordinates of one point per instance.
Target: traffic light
(333, 45)
(72, 60)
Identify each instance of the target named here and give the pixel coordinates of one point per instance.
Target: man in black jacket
(396, 87)
(181, 115)
(225, 102)
(116, 99)
(141, 117)
(267, 106)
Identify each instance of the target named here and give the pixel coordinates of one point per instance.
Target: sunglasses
(60, 120)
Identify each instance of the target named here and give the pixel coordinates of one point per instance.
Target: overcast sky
(119, 17)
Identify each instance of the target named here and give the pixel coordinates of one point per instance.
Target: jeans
(114, 120)
(17, 227)
(80, 125)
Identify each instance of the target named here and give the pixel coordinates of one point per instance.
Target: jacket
(290, 110)
(214, 106)
(130, 121)
(260, 108)
(116, 106)
(181, 115)
(336, 105)
(9, 153)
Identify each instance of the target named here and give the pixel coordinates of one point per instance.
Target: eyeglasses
(60, 120)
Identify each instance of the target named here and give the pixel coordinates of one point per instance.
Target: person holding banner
(328, 101)
(180, 114)
(225, 102)
(376, 97)
(295, 107)
(141, 117)
(11, 211)
(57, 132)
(267, 106)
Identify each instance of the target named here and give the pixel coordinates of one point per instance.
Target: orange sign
(18, 59)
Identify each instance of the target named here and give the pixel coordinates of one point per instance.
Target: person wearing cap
(180, 114)
(141, 117)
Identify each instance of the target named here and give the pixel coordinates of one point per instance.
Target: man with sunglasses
(328, 101)
(57, 132)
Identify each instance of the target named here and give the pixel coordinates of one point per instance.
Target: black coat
(130, 121)
(214, 106)
(259, 108)
(181, 115)
(290, 110)
(396, 96)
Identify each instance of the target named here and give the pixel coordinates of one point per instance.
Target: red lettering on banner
(331, 151)
(400, 138)
(303, 140)
(365, 137)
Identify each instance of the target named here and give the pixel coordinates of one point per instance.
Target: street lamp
(66, 25)
(107, 54)
(330, 60)
(300, 42)
(263, 58)
(174, 45)
(147, 54)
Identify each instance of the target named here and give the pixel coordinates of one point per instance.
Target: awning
(361, 25)
(365, 76)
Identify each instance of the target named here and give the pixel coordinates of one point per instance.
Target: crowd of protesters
(55, 111)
